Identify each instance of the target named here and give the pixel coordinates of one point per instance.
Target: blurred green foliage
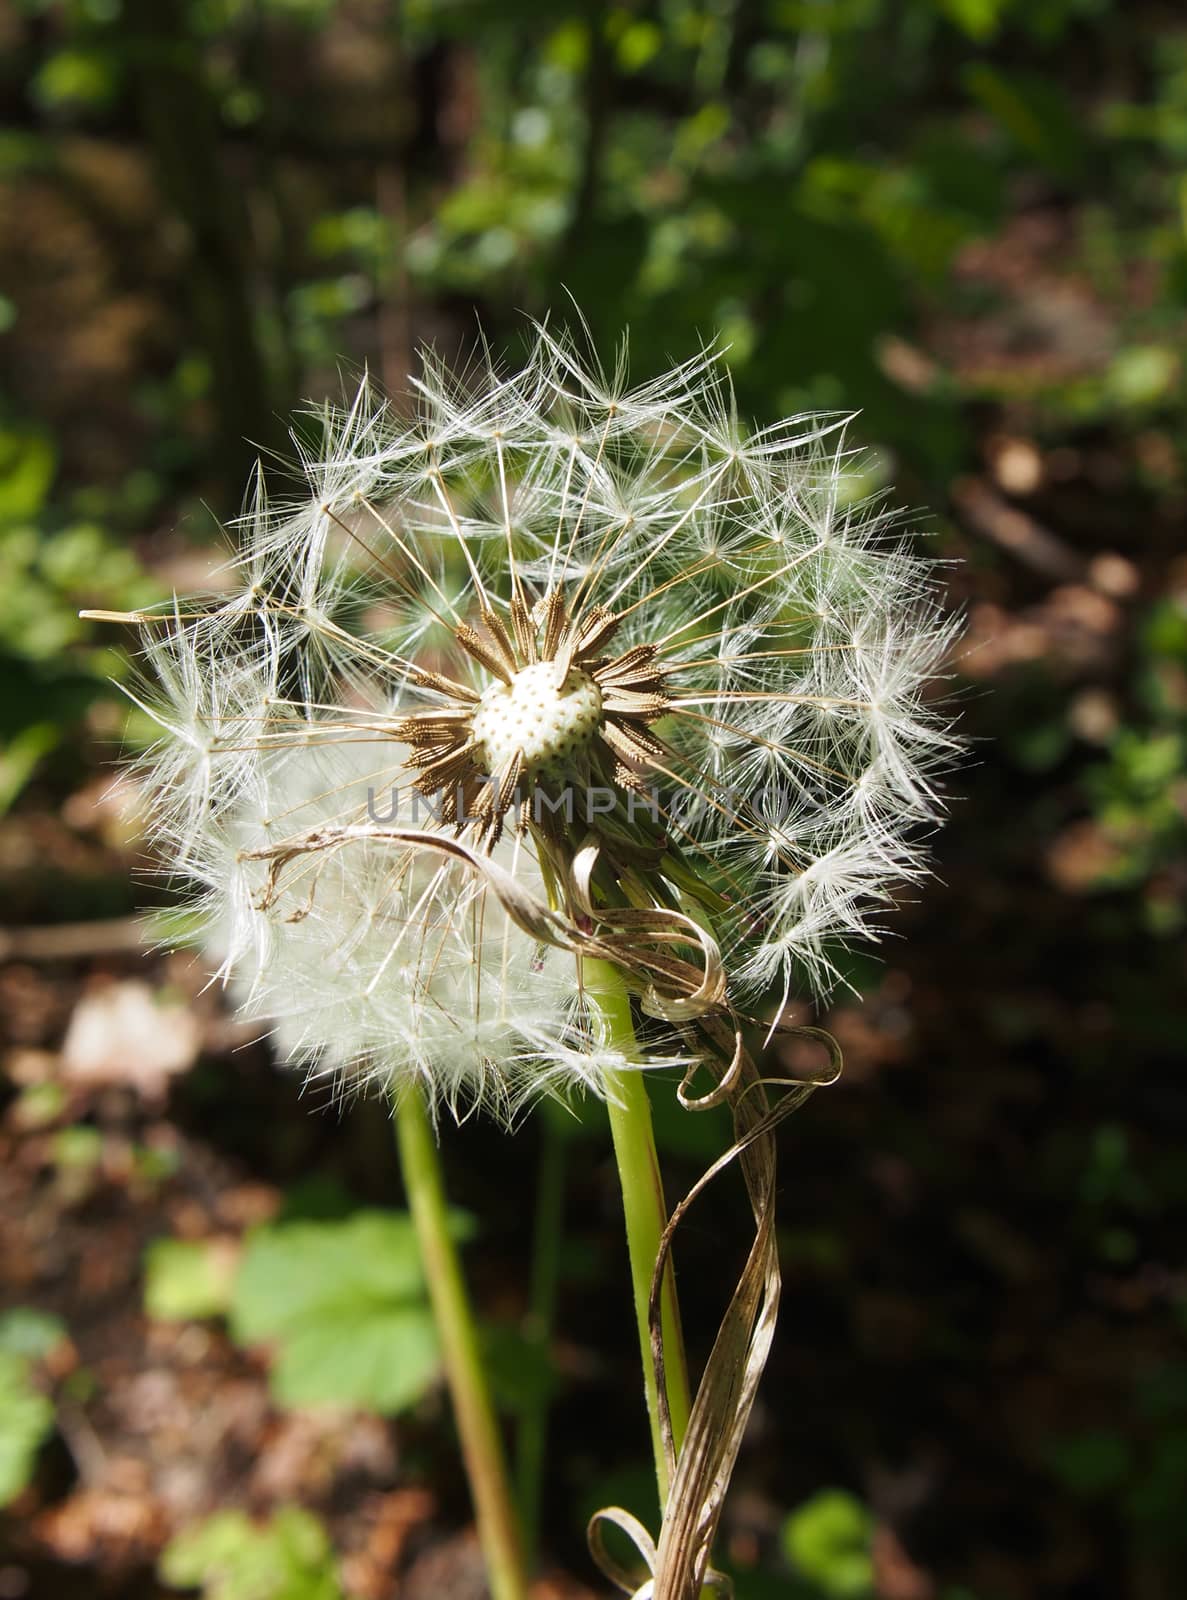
(186, 1279)
(26, 1417)
(229, 1557)
(827, 1540)
(26, 1411)
(1139, 791)
(51, 565)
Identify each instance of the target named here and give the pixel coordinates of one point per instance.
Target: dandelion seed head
(547, 586)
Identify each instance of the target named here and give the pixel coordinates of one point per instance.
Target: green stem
(643, 1206)
(482, 1448)
(547, 1243)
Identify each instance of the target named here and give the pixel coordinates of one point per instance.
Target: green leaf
(979, 19)
(346, 1304)
(27, 467)
(1035, 115)
(292, 1269)
(1093, 1463)
(185, 1279)
(20, 758)
(26, 1417)
(380, 1359)
(25, 1331)
(78, 1149)
(231, 1558)
(78, 79)
(1142, 376)
(828, 1542)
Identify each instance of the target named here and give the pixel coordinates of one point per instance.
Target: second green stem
(482, 1448)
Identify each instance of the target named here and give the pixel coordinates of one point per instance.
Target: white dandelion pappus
(549, 608)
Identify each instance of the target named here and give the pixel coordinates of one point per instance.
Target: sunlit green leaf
(229, 1557)
(828, 1539)
(345, 1304)
(26, 1417)
(186, 1278)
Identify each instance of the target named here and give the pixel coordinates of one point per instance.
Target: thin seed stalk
(482, 1448)
(643, 1207)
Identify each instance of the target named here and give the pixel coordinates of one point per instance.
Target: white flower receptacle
(531, 717)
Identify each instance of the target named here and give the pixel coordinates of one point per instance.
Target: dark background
(967, 218)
